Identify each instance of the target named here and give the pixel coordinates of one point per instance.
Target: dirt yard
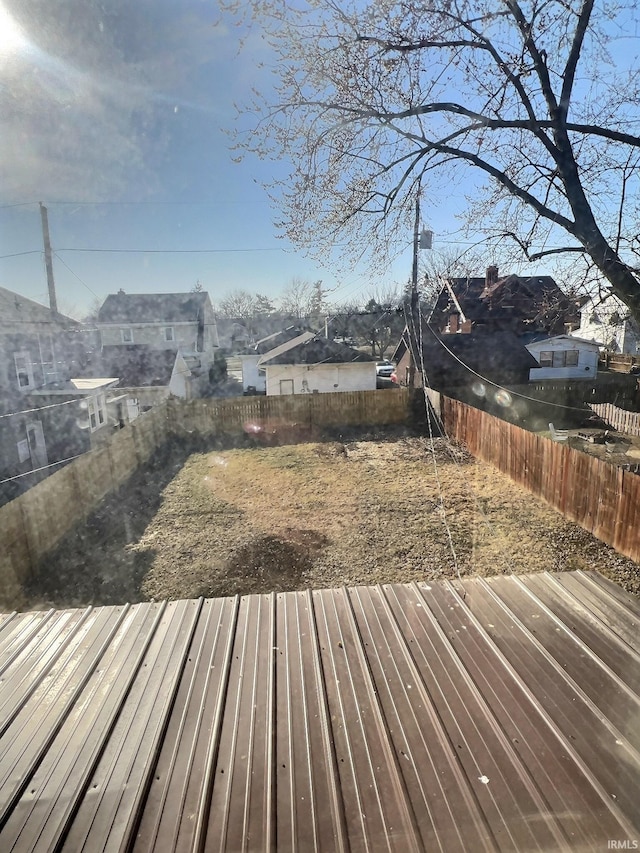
(376, 510)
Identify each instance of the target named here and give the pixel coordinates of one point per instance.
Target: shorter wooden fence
(620, 419)
(235, 415)
(621, 362)
(601, 497)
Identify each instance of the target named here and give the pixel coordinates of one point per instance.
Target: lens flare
(12, 39)
(503, 398)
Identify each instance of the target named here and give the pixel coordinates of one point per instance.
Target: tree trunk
(624, 283)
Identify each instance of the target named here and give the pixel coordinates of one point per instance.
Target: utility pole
(53, 304)
(414, 339)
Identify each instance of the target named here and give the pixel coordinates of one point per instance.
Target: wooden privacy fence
(622, 362)
(35, 522)
(602, 498)
(620, 419)
(234, 415)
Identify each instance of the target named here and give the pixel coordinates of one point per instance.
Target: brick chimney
(491, 275)
(453, 323)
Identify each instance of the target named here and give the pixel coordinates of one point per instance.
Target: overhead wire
(416, 340)
(496, 384)
(20, 254)
(452, 448)
(44, 467)
(37, 409)
(64, 264)
(166, 251)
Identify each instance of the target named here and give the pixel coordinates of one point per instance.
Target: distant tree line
(375, 320)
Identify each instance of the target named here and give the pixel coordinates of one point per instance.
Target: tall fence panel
(36, 521)
(601, 497)
(15, 558)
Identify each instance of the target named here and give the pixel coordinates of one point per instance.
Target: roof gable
(153, 307)
(310, 348)
(15, 308)
(568, 339)
(523, 298)
(271, 342)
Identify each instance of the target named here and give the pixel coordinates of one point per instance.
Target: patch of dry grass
(364, 512)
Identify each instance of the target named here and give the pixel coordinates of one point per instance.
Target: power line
(496, 384)
(167, 251)
(20, 254)
(225, 202)
(145, 251)
(38, 408)
(17, 204)
(443, 510)
(76, 275)
(453, 455)
(428, 405)
(44, 467)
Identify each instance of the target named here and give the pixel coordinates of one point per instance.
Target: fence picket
(621, 420)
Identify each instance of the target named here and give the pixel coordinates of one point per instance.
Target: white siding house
(182, 323)
(311, 364)
(252, 376)
(608, 321)
(320, 378)
(564, 357)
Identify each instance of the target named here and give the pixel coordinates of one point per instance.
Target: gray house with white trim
(181, 322)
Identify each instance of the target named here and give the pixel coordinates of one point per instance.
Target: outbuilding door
(286, 386)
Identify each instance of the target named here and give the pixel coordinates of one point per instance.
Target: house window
(559, 358)
(126, 336)
(96, 408)
(24, 370)
(48, 358)
(168, 334)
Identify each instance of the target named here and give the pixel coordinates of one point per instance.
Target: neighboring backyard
(314, 515)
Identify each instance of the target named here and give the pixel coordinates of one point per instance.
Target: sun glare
(12, 39)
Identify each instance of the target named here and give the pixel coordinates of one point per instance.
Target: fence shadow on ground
(95, 563)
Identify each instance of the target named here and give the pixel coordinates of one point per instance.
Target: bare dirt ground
(382, 509)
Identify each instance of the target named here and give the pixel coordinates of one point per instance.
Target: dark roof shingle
(152, 307)
(136, 365)
(312, 348)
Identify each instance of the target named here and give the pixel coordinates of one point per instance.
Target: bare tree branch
(374, 98)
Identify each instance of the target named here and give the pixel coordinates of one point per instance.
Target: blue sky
(116, 115)
(116, 121)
